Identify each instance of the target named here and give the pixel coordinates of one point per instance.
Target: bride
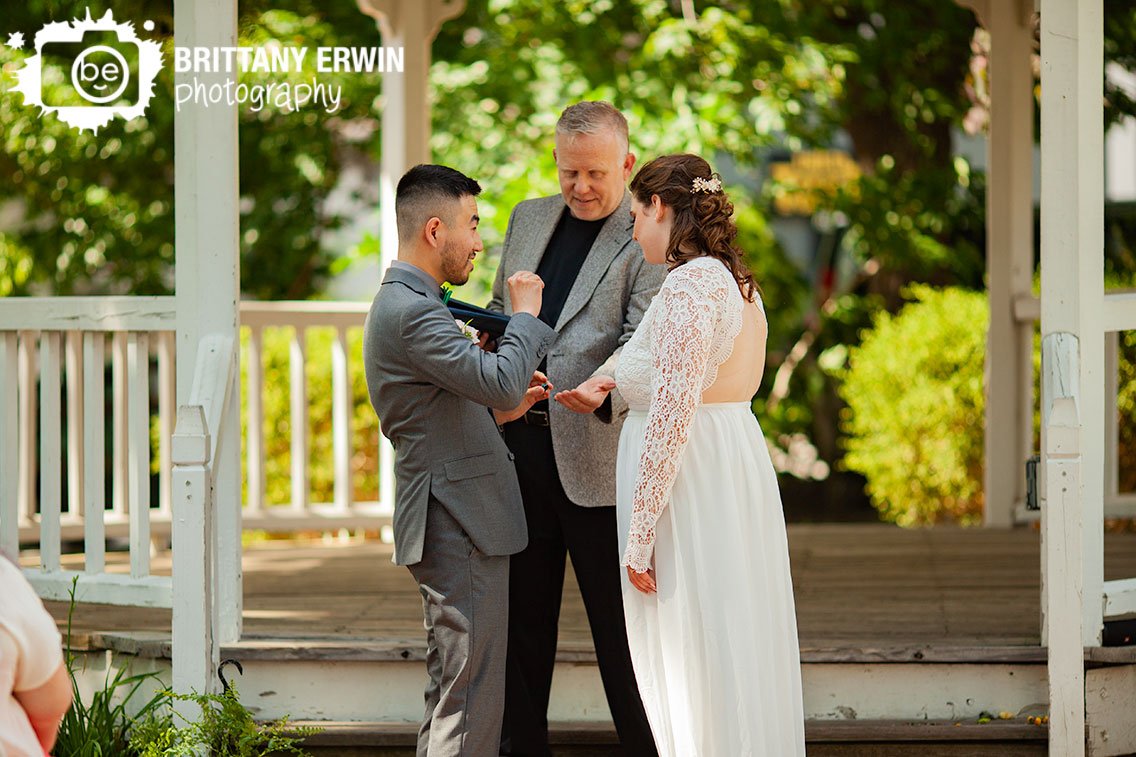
(707, 591)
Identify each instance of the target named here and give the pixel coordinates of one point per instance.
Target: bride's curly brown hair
(703, 224)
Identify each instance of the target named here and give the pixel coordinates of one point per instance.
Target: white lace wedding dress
(715, 650)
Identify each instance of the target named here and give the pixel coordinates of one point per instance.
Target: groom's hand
(525, 292)
(589, 395)
(644, 582)
(539, 389)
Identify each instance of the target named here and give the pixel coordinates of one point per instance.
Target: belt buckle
(536, 418)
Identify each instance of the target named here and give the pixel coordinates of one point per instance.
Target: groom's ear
(434, 231)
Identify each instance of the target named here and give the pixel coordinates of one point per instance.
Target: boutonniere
(447, 293)
(467, 330)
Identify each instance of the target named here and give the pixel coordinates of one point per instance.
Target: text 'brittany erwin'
(280, 59)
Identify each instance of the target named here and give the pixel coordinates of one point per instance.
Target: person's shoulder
(21, 603)
(702, 275)
(538, 206)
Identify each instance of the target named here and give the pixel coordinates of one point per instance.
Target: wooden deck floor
(857, 586)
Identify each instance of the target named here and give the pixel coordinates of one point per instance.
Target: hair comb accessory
(709, 186)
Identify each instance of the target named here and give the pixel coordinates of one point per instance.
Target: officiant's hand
(539, 389)
(587, 396)
(644, 582)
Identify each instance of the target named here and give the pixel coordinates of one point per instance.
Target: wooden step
(359, 680)
(824, 737)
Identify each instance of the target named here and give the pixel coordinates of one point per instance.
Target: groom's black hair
(426, 191)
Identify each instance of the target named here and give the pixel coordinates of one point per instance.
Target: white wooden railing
(344, 511)
(1117, 504)
(52, 346)
(48, 345)
(49, 342)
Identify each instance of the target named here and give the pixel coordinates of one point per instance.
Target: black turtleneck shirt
(567, 249)
(571, 241)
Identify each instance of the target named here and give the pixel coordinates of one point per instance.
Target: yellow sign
(807, 176)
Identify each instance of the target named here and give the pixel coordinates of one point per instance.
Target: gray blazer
(604, 306)
(432, 387)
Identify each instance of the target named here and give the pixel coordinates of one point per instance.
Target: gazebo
(195, 335)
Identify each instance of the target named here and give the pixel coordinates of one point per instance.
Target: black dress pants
(558, 527)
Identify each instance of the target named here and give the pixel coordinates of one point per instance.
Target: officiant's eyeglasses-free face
(462, 241)
(593, 171)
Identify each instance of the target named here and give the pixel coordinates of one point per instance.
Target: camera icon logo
(85, 73)
(108, 72)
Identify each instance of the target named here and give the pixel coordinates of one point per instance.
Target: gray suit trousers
(465, 600)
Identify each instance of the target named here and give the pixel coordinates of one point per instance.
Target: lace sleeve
(690, 305)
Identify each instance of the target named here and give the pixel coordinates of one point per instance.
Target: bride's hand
(644, 582)
(587, 396)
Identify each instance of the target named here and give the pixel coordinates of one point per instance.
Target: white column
(207, 288)
(1009, 255)
(196, 652)
(1063, 469)
(1072, 262)
(411, 25)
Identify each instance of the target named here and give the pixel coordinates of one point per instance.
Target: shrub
(100, 726)
(914, 420)
(225, 729)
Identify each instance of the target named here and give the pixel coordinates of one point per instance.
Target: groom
(597, 288)
(458, 513)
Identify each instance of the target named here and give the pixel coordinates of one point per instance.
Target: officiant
(597, 288)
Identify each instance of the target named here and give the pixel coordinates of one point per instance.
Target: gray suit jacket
(604, 306)
(432, 387)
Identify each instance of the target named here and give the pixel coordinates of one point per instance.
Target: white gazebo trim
(1072, 251)
(207, 497)
(1072, 296)
(1008, 435)
(406, 127)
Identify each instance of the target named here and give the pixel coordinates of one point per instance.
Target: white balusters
(167, 415)
(50, 452)
(119, 466)
(255, 431)
(73, 355)
(94, 452)
(138, 390)
(341, 412)
(9, 445)
(86, 413)
(299, 416)
(28, 410)
(270, 323)
(53, 448)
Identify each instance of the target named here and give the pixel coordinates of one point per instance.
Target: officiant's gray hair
(593, 117)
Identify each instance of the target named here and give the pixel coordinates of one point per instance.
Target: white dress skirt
(715, 651)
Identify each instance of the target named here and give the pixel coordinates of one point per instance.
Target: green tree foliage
(93, 214)
(915, 408)
(1126, 409)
